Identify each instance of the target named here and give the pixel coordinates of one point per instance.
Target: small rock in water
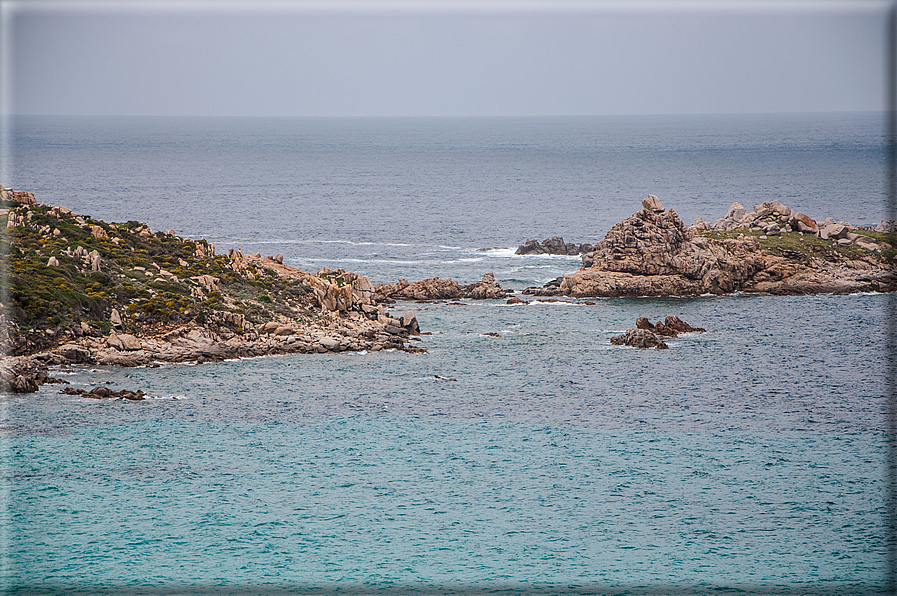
(106, 393)
(638, 338)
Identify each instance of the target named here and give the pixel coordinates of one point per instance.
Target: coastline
(85, 291)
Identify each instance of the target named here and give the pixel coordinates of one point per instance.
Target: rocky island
(771, 249)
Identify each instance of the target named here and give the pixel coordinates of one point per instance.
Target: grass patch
(800, 248)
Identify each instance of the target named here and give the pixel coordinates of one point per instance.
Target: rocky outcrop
(487, 289)
(639, 338)
(21, 374)
(671, 327)
(440, 289)
(772, 217)
(112, 302)
(652, 253)
(17, 196)
(106, 393)
(648, 335)
(425, 289)
(552, 246)
(888, 226)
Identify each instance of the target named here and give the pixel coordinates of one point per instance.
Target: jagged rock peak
(652, 203)
(644, 243)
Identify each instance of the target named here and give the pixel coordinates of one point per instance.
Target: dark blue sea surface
(748, 457)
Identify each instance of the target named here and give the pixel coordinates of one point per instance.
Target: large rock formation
(652, 253)
(487, 288)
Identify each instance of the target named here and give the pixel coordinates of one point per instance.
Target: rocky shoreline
(771, 249)
(84, 291)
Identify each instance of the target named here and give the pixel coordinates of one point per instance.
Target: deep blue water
(751, 456)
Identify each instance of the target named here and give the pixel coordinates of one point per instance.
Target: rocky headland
(771, 249)
(84, 291)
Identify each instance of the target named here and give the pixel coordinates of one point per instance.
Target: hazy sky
(441, 58)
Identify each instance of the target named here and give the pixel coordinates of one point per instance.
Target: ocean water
(751, 457)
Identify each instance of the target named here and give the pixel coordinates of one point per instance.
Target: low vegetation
(800, 248)
(56, 287)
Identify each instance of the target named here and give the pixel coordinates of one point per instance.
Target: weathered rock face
(638, 338)
(21, 375)
(644, 244)
(887, 226)
(488, 288)
(665, 258)
(652, 203)
(17, 196)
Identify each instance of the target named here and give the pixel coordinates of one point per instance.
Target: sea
(522, 453)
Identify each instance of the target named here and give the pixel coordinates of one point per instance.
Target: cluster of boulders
(773, 218)
(17, 196)
(552, 246)
(647, 335)
(652, 253)
(106, 393)
(440, 289)
(21, 374)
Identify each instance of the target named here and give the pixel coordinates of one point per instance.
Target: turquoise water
(750, 457)
(384, 501)
(555, 459)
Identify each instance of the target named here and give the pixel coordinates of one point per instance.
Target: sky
(440, 57)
